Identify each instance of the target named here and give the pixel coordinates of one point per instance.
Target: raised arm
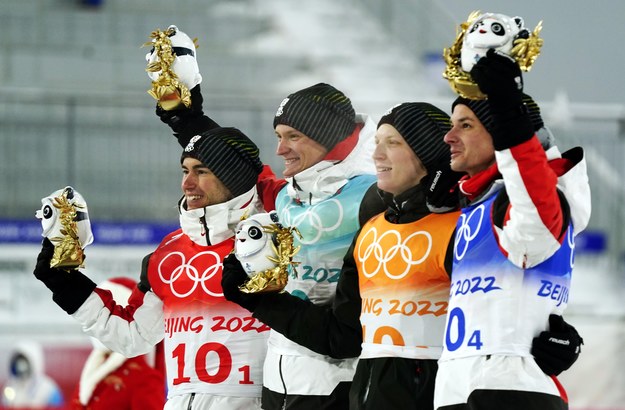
(536, 217)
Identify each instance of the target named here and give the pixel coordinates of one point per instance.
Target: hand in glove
(499, 77)
(441, 191)
(555, 350)
(232, 277)
(70, 288)
(187, 122)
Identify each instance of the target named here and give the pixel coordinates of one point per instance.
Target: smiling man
(210, 363)
(513, 249)
(328, 168)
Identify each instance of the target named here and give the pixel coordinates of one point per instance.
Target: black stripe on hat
(230, 155)
(423, 126)
(320, 112)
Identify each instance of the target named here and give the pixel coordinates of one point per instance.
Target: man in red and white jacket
(513, 249)
(214, 349)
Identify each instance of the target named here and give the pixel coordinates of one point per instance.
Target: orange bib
(404, 285)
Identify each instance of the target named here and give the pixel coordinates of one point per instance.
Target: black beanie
(230, 155)
(320, 112)
(423, 126)
(481, 109)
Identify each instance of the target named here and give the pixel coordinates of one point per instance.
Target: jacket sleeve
(131, 330)
(186, 122)
(268, 185)
(330, 330)
(534, 221)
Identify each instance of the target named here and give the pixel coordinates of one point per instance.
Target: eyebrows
(195, 167)
(289, 134)
(465, 118)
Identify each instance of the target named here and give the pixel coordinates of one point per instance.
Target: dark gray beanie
(320, 112)
(423, 126)
(230, 155)
(482, 111)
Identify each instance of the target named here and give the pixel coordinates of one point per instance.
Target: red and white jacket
(532, 225)
(212, 346)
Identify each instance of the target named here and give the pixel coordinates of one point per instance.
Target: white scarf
(221, 219)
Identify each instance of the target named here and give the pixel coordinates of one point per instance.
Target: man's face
(298, 150)
(470, 143)
(398, 167)
(200, 186)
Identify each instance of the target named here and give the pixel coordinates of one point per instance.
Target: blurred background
(74, 110)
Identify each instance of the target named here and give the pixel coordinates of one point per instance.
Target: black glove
(234, 276)
(441, 191)
(144, 282)
(187, 122)
(555, 350)
(70, 288)
(499, 77)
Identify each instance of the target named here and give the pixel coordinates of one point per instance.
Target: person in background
(109, 380)
(513, 250)
(213, 348)
(28, 386)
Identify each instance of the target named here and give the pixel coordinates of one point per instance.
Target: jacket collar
(410, 201)
(216, 223)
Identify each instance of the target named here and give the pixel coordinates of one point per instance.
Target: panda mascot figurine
(254, 245)
(172, 67)
(65, 222)
(491, 30)
(481, 32)
(265, 249)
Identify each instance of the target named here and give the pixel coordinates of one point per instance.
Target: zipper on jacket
(283, 383)
(203, 222)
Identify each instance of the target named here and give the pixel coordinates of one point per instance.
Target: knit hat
(481, 109)
(120, 287)
(230, 155)
(320, 112)
(423, 126)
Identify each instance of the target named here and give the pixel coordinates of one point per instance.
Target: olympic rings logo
(310, 221)
(384, 254)
(467, 230)
(191, 272)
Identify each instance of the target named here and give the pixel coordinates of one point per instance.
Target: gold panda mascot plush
(481, 32)
(490, 30)
(265, 249)
(65, 222)
(172, 67)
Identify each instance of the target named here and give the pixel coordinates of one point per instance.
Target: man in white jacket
(214, 349)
